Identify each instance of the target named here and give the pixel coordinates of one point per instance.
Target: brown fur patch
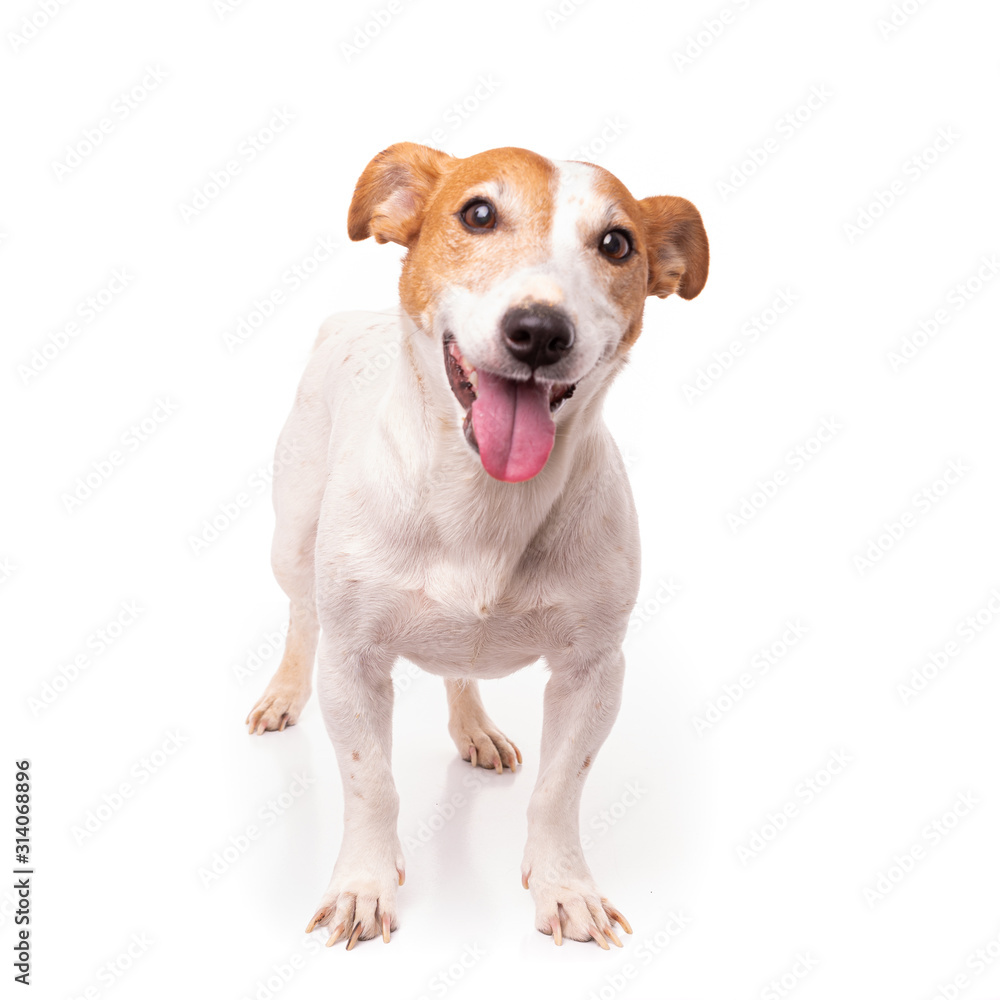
(411, 195)
(678, 255)
(520, 184)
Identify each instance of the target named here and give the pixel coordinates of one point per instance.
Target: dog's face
(530, 273)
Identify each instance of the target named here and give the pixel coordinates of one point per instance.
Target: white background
(709, 921)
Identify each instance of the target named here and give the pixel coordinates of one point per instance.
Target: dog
(455, 498)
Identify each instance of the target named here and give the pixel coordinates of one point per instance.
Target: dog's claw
(355, 934)
(617, 915)
(473, 757)
(385, 927)
(599, 938)
(524, 879)
(611, 934)
(556, 929)
(498, 766)
(335, 935)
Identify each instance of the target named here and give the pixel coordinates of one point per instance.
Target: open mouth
(508, 422)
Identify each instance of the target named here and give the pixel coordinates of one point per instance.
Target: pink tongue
(513, 425)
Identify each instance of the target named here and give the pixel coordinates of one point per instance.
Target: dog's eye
(616, 244)
(479, 214)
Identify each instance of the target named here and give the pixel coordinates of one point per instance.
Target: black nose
(537, 335)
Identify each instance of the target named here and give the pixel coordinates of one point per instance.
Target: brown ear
(678, 246)
(392, 193)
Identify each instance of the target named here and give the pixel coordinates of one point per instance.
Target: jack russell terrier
(456, 498)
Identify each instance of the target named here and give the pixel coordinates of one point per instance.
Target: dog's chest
(471, 615)
(477, 632)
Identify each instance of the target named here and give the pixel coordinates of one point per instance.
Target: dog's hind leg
(478, 739)
(288, 691)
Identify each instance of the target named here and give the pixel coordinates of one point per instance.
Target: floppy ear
(392, 193)
(678, 246)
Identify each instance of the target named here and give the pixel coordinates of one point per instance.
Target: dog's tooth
(473, 377)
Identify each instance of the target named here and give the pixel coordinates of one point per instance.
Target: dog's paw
(573, 908)
(486, 747)
(279, 706)
(359, 906)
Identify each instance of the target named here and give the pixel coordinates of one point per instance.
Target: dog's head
(531, 274)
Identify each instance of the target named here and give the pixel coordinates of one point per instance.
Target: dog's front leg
(355, 696)
(581, 701)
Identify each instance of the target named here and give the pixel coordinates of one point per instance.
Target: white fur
(393, 539)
